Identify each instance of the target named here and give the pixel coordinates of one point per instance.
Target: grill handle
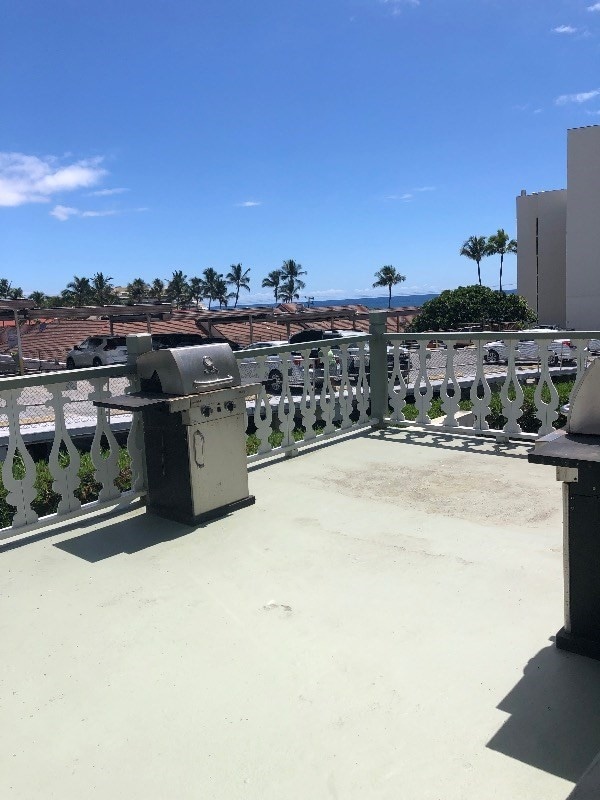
(216, 383)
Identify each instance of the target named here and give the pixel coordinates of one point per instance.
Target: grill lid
(584, 408)
(188, 370)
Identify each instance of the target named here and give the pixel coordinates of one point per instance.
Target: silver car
(528, 351)
(249, 368)
(98, 351)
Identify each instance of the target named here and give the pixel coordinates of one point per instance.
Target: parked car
(292, 363)
(594, 346)
(528, 350)
(98, 351)
(249, 367)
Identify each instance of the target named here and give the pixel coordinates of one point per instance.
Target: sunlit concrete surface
(378, 625)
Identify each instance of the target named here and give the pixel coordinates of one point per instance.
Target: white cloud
(107, 192)
(29, 179)
(108, 213)
(580, 97)
(63, 213)
(249, 204)
(595, 7)
(564, 29)
(409, 195)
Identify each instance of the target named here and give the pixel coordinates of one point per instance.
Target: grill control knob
(206, 411)
(229, 406)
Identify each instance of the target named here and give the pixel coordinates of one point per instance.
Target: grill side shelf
(136, 401)
(562, 449)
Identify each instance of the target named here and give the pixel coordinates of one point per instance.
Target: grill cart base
(577, 461)
(195, 460)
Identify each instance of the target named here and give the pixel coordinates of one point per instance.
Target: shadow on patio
(554, 709)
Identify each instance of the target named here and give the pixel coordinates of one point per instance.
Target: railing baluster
(423, 399)
(107, 467)
(481, 405)
(327, 399)
(345, 391)
(135, 443)
(397, 399)
(511, 409)
(66, 479)
(362, 386)
(546, 412)
(450, 405)
(263, 413)
(308, 403)
(286, 416)
(21, 492)
(581, 361)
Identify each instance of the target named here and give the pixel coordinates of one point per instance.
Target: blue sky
(142, 137)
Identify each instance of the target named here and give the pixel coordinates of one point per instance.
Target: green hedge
(495, 419)
(46, 501)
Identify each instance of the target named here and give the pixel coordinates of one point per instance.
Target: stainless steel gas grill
(575, 452)
(193, 409)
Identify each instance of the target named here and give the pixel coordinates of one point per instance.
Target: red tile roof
(54, 338)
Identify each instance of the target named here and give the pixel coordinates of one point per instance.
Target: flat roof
(378, 625)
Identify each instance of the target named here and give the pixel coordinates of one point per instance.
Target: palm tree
(388, 276)
(102, 289)
(220, 291)
(476, 249)
(137, 290)
(290, 289)
(197, 289)
(157, 289)
(38, 298)
(273, 281)
(4, 287)
(238, 278)
(16, 293)
(499, 245)
(78, 291)
(178, 290)
(291, 285)
(210, 279)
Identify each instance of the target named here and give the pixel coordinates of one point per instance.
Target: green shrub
(495, 419)
(47, 500)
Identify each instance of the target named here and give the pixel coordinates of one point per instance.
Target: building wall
(583, 229)
(541, 254)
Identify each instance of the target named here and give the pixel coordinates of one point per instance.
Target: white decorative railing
(467, 372)
(58, 406)
(308, 390)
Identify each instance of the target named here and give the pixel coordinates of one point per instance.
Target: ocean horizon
(398, 301)
(371, 302)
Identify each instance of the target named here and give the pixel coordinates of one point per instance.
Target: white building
(558, 235)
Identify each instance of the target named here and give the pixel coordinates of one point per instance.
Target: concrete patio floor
(378, 625)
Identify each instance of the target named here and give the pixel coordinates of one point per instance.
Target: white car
(98, 351)
(249, 369)
(527, 350)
